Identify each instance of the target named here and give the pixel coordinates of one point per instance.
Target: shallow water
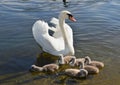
(96, 34)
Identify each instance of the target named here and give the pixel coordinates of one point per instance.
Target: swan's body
(90, 69)
(97, 64)
(61, 43)
(79, 73)
(45, 68)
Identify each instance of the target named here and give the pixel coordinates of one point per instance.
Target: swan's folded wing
(54, 21)
(47, 42)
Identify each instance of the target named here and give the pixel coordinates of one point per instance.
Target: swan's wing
(69, 33)
(54, 21)
(47, 42)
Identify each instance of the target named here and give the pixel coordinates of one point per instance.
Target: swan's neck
(72, 61)
(89, 60)
(61, 23)
(82, 65)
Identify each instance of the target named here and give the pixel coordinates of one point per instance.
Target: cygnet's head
(83, 73)
(72, 61)
(87, 60)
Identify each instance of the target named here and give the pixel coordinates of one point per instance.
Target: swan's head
(72, 61)
(81, 64)
(83, 73)
(87, 60)
(66, 15)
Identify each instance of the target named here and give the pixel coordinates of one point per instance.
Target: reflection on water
(96, 34)
(45, 58)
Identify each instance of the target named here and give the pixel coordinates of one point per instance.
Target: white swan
(90, 69)
(45, 68)
(78, 73)
(97, 64)
(61, 43)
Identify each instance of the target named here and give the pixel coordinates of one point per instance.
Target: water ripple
(96, 33)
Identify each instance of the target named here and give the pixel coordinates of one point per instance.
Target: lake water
(96, 34)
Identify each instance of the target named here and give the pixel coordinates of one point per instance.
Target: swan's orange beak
(72, 19)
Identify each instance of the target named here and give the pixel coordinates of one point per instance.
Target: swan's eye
(70, 15)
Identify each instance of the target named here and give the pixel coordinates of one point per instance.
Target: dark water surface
(96, 34)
